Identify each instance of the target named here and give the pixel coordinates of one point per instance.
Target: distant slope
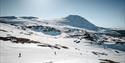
(78, 21)
(122, 32)
(71, 21)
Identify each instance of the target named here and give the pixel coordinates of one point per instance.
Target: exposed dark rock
(99, 53)
(9, 17)
(56, 46)
(107, 61)
(120, 43)
(26, 17)
(18, 40)
(3, 30)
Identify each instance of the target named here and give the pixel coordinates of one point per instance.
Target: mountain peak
(76, 18)
(78, 21)
(73, 16)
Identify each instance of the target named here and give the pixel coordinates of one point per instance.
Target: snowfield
(30, 40)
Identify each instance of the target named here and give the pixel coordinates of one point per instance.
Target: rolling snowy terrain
(71, 39)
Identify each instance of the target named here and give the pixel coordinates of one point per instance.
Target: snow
(32, 53)
(78, 21)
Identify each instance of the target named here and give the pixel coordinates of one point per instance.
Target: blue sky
(104, 13)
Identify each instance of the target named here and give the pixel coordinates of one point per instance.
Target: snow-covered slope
(78, 21)
(32, 40)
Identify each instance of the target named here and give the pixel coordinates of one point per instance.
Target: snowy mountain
(78, 21)
(71, 39)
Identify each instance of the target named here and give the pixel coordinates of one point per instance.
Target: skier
(19, 55)
(55, 53)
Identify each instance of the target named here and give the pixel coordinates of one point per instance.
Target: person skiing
(19, 55)
(55, 53)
